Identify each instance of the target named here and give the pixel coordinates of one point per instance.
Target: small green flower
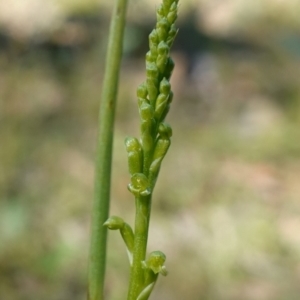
(155, 262)
(134, 153)
(139, 185)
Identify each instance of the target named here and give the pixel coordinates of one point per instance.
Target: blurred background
(226, 208)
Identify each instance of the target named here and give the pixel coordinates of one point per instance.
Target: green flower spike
(154, 99)
(139, 185)
(117, 223)
(134, 150)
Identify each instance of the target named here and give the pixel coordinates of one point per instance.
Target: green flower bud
(151, 70)
(172, 15)
(142, 94)
(132, 144)
(162, 29)
(165, 130)
(163, 48)
(162, 57)
(142, 91)
(153, 39)
(114, 223)
(146, 112)
(169, 68)
(152, 90)
(134, 150)
(167, 109)
(162, 145)
(156, 261)
(117, 223)
(139, 185)
(161, 62)
(150, 57)
(172, 34)
(160, 13)
(165, 87)
(174, 6)
(161, 148)
(160, 105)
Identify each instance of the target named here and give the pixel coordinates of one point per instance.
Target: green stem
(97, 256)
(142, 218)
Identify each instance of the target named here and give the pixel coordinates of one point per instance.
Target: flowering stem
(97, 256)
(142, 218)
(145, 155)
(154, 98)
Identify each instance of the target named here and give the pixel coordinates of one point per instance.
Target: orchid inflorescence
(145, 156)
